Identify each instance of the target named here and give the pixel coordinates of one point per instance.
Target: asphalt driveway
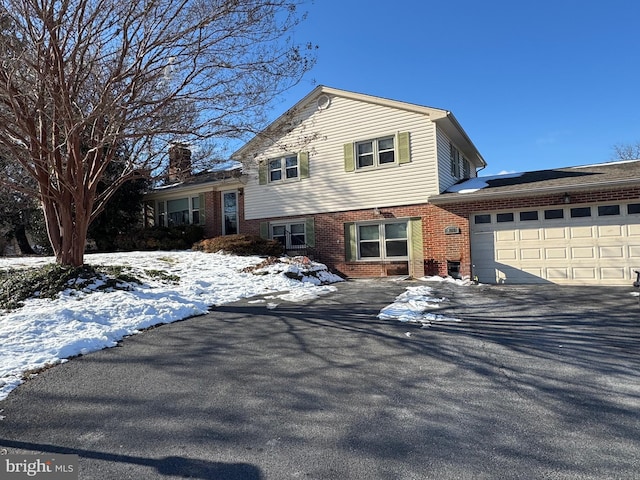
(533, 382)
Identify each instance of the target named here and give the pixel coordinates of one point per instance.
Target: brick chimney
(179, 162)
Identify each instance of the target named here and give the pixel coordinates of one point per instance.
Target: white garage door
(574, 245)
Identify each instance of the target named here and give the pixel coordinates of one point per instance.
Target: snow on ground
(46, 331)
(176, 285)
(415, 303)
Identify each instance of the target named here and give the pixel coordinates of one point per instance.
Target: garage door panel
(581, 232)
(530, 254)
(555, 253)
(633, 230)
(506, 254)
(582, 252)
(554, 233)
(616, 252)
(506, 236)
(612, 273)
(533, 271)
(530, 234)
(609, 231)
(557, 273)
(584, 273)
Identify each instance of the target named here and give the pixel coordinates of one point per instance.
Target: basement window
(453, 269)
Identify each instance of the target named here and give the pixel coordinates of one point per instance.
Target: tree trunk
(20, 234)
(67, 227)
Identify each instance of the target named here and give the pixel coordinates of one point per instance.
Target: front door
(230, 212)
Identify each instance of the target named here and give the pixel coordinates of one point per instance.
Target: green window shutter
(310, 231)
(350, 245)
(303, 164)
(416, 253)
(264, 230)
(262, 173)
(404, 148)
(202, 209)
(349, 158)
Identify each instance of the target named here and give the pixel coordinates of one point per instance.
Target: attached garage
(572, 226)
(574, 245)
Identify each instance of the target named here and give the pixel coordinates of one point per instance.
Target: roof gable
(442, 118)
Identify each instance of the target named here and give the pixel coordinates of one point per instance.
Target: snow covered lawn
(176, 285)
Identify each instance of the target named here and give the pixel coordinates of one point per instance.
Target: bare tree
(78, 78)
(627, 152)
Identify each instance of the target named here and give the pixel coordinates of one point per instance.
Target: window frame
(192, 214)
(288, 234)
(375, 153)
(382, 241)
(283, 168)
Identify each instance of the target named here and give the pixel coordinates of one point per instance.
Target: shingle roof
(541, 181)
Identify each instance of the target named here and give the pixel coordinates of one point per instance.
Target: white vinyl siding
(330, 188)
(450, 174)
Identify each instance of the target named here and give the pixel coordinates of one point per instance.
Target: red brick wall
(329, 241)
(211, 219)
(438, 247)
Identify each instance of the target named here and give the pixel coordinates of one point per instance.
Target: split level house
(377, 187)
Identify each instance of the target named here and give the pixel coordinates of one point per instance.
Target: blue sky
(535, 85)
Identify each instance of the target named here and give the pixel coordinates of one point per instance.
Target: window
(179, 211)
(285, 168)
(378, 152)
(633, 208)
(578, 212)
(195, 210)
(553, 214)
(529, 216)
(504, 217)
(605, 210)
(375, 152)
(383, 241)
(486, 218)
(162, 216)
(291, 235)
(454, 158)
(466, 169)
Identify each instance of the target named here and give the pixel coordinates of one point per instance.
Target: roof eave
(452, 127)
(487, 194)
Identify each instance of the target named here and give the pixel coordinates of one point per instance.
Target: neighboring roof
(227, 172)
(443, 118)
(543, 181)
